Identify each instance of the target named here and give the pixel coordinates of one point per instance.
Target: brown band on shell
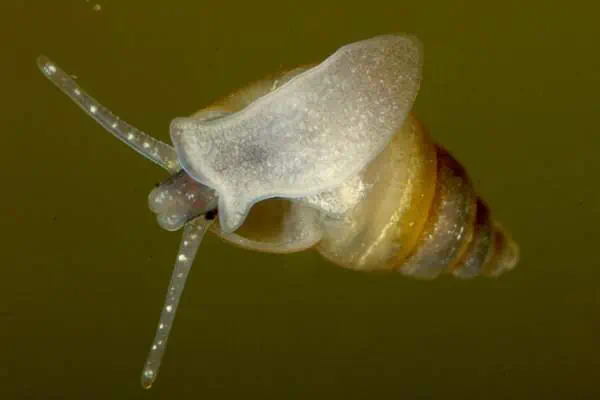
(449, 228)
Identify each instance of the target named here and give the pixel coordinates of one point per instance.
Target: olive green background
(510, 88)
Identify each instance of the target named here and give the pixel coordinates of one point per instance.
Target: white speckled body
(326, 157)
(306, 136)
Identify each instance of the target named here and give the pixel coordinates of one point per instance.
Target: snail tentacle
(193, 233)
(153, 149)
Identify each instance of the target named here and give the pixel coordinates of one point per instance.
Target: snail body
(327, 156)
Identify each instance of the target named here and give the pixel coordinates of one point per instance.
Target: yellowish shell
(419, 216)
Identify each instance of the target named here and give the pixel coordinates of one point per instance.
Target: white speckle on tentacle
(182, 257)
(93, 109)
(130, 136)
(114, 125)
(77, 91)
(169, 308)
(161, 326)
(49, 69)
(146, 145)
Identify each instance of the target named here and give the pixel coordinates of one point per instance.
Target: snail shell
(412, 209)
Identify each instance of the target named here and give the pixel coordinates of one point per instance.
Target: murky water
(510, 88)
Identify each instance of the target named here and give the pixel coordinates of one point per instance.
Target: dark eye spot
(212, 214)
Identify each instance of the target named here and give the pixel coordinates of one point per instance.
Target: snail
(326, 156)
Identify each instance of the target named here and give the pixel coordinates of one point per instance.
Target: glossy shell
(411, 209)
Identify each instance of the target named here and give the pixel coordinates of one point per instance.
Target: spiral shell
(413, 209)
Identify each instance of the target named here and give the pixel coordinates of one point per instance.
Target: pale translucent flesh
(305, 137)
(180, 198)
(193, 232)
(310, 134)
(149, 147)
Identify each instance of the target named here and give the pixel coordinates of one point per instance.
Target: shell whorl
(460, 236)
(422, 217)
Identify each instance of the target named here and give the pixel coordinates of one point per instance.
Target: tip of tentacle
(148, 378)
(45, 65)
